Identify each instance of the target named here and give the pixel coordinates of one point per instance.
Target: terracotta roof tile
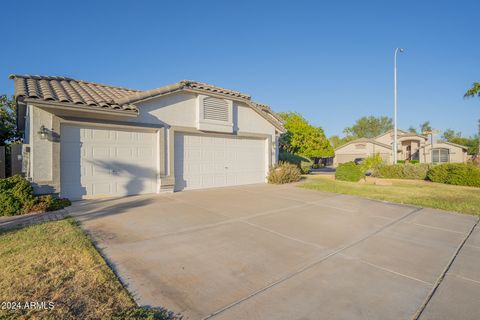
(79, 92)
(67, 90)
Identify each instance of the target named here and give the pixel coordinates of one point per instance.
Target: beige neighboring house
(88, 140)
(411, 146)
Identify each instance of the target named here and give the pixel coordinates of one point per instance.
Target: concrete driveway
(282, 252)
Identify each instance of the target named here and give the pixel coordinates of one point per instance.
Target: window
(440, 155)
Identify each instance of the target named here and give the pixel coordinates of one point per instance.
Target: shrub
(283, 172)
(403, 171)
(140, 313)
(303, 163)
(349, 171)
(455, 173)
(408, 161)
(16, 196)
(371, 162)
(50, 203)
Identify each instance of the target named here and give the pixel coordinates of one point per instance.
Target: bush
(50, 203)
(349, 171)
(371, 162)
(16, 196)
(303, 163)
(139, 313)
(408, 161)
(402, 171)
(284, 172)
(455, 173)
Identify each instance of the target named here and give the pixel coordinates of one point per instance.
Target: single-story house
(86, 140)
(410, 146)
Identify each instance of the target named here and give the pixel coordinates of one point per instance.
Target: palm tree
(473, 91)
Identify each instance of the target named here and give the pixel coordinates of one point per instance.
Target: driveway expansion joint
(310, 265)
(444, 272)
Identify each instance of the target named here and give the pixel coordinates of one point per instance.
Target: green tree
(302, 138)
(425, 127)
(456, 137)
(8, 127)
(369, 127)
(471, 143)
(450, 134)
(473, 91)
(336, 141)
(412, 130)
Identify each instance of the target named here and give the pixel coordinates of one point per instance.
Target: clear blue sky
(329, 60)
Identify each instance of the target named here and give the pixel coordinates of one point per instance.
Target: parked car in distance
(358, 161)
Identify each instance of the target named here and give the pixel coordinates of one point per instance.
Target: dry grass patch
(415, 192)
(56, 262)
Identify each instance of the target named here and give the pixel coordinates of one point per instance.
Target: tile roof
(364, 140)
(453, 144)
(78, 92)
(67, 90)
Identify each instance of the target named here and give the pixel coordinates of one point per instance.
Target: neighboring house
(85, 140)
(410, 147)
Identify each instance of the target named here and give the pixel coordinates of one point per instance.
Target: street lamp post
(395, 104)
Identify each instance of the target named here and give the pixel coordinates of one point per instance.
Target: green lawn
(415, 192)
(56, 262)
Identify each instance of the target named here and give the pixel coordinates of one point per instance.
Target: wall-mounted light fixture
(43, 132)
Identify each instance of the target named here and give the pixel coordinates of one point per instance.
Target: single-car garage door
(203, 161)
(98, 162)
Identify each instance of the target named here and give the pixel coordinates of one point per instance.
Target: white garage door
(214, 161)
(98, 162)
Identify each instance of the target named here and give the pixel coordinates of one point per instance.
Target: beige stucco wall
(350, 151)
(457, 154)
(386, 138)
(42, 170)
(170, 114)
(180, 110)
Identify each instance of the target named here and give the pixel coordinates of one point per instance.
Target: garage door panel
(215, 161)
(106, 162)
(98, 152)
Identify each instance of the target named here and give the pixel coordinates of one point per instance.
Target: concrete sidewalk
(282, 252)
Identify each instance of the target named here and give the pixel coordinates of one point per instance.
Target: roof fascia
(76, 107)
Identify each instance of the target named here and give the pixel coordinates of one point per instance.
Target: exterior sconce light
(43, 132)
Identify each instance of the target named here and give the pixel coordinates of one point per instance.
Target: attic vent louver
(215, 109)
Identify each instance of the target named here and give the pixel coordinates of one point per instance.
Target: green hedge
(16, 197)
(303, 163)
(402, 171)
(408, 161)
(284, 172)
(349, 171)
(455, 173)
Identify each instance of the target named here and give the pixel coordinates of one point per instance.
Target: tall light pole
(395, 104)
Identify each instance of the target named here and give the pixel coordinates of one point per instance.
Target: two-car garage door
(204, 161)
(98, 161)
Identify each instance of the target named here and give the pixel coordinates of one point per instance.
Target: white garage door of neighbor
(98, 162)
(203, 161)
